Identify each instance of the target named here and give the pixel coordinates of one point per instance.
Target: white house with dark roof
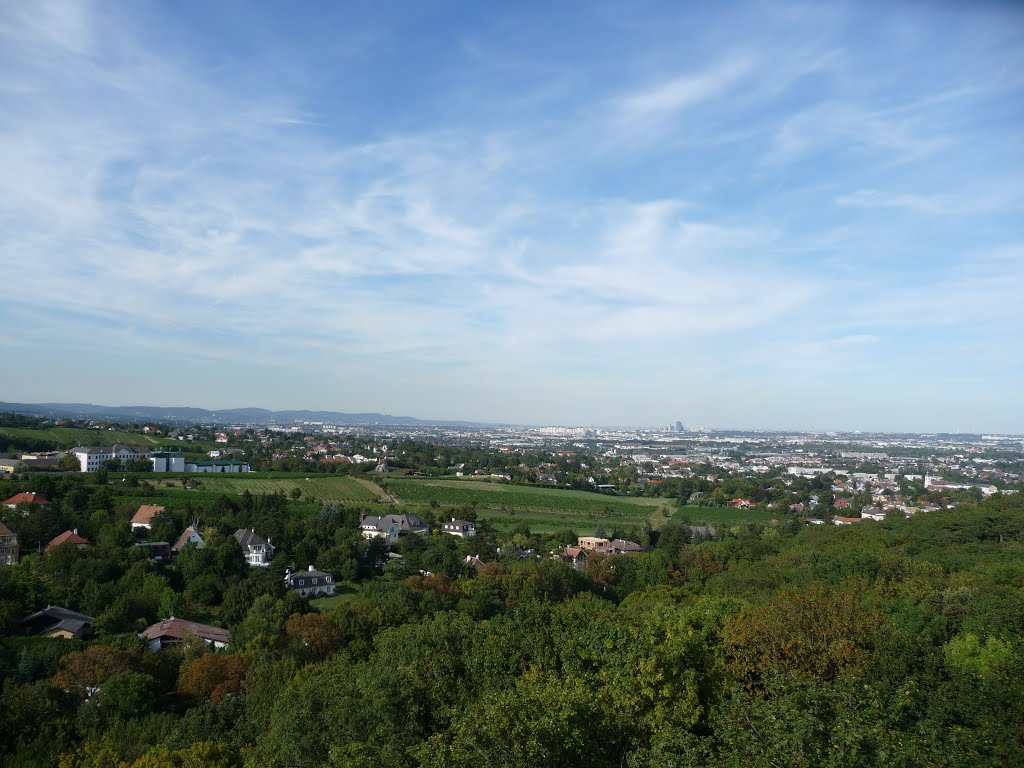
(310, 583)
(257, 550)
(389, 527)
(461, 528)
(873, 513)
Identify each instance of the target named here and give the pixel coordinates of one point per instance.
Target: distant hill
(185, 415)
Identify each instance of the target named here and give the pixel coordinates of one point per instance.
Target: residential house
(172, 632)
(257, 550)
(623, 547)
(575, 556)
(873, 513)
(189, 536)
(54, 621)
(20, 499)
(373, 527)
(68, 537)
(846, 520)
(461, 528)
(740, 503)
(473, 562)
(310, 583)
(8, 546)
(592, 543)
(389, 527)
(143, 518)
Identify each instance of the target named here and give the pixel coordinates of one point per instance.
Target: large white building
(93, 459)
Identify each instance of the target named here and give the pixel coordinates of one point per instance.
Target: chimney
(76, 531)
(311, 568)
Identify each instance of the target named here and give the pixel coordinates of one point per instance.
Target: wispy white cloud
(934, 204)
(684, 91)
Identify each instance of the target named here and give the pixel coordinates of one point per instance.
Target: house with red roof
(144, 517)
(846, 520)
(740, 503)
(26, 498)
(68, 537)
(575, 556)
(174, 631)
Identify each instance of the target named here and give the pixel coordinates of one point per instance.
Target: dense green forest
(891, 643)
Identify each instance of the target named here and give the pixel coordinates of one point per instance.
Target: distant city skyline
(141, 413)
(760, 215)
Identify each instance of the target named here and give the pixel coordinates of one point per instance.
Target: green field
(503, 506)
(73, 437)
(542, 509)
(513, 498)
(342, 594)
(318, 488)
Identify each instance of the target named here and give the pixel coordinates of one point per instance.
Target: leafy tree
(814, 633)
(542, 720)
(315, 635)
(213, 676)
(127, 695)
(86, 671)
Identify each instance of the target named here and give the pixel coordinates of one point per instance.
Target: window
(314, 581)
(302, 582)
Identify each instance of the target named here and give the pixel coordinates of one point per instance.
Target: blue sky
(804, 215)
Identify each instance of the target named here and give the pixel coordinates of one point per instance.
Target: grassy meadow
(542, 509)
(317, 488)
(513, 498)
(502, 505)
